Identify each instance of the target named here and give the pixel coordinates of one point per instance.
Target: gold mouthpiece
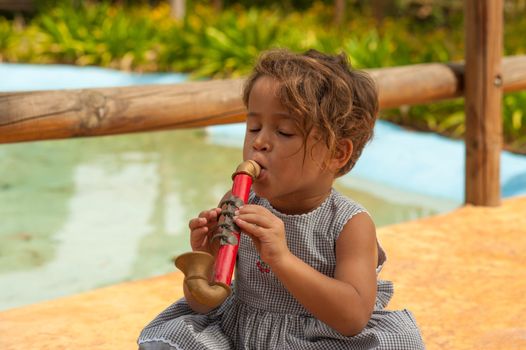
(249, 167)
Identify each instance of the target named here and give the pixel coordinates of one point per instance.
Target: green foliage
(225, 44)
(100, 35)
(6, 35)
(514, 124)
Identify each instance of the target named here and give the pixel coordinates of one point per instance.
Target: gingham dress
(262, 314)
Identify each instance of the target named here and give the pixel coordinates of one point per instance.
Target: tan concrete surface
(462, 274)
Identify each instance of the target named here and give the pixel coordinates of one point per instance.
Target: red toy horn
(209, 283)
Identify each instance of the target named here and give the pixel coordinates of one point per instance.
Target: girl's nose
(261, 142)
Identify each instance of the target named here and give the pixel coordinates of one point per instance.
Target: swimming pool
(79, 214)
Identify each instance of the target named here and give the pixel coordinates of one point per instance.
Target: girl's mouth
(258, 163)
(262, 172)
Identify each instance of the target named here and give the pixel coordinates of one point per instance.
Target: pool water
(79, 214)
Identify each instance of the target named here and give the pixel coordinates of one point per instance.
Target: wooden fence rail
(41, 115)
(17, 5)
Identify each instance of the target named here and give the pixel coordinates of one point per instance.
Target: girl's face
(291, 179)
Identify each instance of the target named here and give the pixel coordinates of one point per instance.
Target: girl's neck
(300, 203)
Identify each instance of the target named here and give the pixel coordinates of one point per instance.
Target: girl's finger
(203, 214)
(250, 229)
(196, 223)
(213, 214)
(252, 208)
(198, 237)
(199, 232)
(255, 219)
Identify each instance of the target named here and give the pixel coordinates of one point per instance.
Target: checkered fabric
(262, 314)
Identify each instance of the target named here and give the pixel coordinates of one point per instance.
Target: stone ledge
(461, 274)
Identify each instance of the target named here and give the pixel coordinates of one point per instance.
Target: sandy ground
(461, 274)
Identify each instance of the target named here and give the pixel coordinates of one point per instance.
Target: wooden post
(218, 5)
(483, 100)
(178, 9)
(339, 12)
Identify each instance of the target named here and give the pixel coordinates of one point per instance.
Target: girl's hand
(201, 229)
(266, 230)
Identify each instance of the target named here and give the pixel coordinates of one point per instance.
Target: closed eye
(286, 134)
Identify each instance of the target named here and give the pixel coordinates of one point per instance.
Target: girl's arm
(344, 302)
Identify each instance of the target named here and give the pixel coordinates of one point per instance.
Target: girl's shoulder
(341, 209)
(345, 203)
(349, 209)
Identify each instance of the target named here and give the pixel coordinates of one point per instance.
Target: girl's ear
(341, 155)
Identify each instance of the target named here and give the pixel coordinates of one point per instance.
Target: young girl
(308, 259)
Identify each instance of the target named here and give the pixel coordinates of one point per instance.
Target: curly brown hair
(325, 93)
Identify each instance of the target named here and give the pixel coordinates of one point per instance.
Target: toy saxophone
(209, 283)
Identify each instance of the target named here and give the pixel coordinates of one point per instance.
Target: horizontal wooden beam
(27, 116)
(431, 82)
(514, 73)
(56, 114)
(418, 84)
(17, 5)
